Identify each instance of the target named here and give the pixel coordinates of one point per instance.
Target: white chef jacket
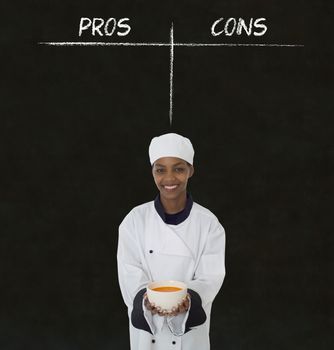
(151, 250)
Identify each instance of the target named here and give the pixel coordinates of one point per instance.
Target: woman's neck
(175, 205)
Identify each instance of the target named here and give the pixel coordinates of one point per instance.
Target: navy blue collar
(173, 219)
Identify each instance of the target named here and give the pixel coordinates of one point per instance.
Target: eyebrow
(164, 166)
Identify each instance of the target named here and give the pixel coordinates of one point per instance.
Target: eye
(159, 170)
(179, 170)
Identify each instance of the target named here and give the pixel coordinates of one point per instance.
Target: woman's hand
(181, 307)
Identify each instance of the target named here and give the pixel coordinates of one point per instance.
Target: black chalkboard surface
(76, 124)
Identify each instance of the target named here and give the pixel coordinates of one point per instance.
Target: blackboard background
(75, 127)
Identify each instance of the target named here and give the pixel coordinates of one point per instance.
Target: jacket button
(173, 342)
(153, 341)
(151, 251)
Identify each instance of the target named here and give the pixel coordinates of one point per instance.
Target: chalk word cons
(234, 26)
(101, 27)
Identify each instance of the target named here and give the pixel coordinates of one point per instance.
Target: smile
(170, 188)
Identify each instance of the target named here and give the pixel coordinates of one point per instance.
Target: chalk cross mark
(171, 45)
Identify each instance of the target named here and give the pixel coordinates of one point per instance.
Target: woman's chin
(172, 195)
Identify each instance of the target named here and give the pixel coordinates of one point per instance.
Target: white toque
(171, 145)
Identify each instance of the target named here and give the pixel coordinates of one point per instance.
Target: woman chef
(171, 238)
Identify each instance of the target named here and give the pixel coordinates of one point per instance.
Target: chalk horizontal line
(101, 43)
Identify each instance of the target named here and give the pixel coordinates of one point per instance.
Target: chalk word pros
(234, 26)
(101, 27)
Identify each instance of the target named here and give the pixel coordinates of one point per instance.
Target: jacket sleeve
(196, 315)
(132, 276)
(210, 271)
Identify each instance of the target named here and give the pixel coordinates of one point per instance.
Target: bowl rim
(166, 283)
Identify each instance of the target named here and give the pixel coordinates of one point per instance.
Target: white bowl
(166, 300)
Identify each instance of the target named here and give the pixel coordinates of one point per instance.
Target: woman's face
(171, 176)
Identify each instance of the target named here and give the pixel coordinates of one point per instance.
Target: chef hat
(171, 145)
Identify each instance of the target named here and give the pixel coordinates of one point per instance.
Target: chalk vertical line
(171, 75)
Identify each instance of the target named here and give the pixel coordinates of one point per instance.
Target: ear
(192, 170)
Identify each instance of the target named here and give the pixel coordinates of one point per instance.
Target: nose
(169, 176)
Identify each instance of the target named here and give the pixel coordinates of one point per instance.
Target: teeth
(170, 187)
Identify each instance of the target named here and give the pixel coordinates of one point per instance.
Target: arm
(132, 277)
(209, 275)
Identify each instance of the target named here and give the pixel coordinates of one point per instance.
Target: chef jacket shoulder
(138, 214)
(204, 214)
(202, 210)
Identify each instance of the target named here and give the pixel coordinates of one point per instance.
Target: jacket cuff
(197, 315)
(138, 319)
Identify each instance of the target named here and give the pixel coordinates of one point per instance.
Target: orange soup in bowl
(167, 289)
